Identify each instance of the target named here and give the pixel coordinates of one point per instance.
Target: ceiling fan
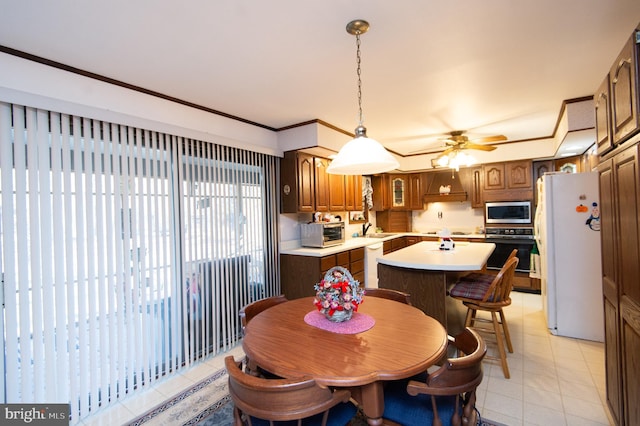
(457, 141)
(454, 155)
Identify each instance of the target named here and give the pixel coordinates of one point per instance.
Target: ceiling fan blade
(414, 137)
(470, 145)
(448, 150)
(496, 138)
(434, 150)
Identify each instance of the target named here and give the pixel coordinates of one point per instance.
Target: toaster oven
(321, 234)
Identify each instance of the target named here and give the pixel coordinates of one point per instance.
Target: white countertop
(426, 255)
(352, 243)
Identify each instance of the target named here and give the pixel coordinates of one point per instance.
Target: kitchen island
(423, 270)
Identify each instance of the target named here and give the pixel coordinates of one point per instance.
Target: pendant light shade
(361, 156)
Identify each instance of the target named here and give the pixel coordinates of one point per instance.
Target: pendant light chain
(358, 60)
(361, 155)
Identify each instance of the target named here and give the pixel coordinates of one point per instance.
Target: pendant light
(361, 155)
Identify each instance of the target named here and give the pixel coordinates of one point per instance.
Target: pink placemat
(357, 324)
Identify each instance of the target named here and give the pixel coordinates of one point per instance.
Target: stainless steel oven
(507, 239)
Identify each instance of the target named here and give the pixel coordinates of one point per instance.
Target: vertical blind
(126, 254)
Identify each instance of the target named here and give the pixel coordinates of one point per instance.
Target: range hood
(447, 180)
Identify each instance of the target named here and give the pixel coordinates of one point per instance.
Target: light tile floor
(554, 380)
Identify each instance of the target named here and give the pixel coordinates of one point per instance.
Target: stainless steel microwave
(321, 234)
(508, 212)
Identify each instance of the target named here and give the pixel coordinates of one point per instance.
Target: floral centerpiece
(338, 295)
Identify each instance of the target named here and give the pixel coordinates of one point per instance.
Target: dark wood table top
(403, 342)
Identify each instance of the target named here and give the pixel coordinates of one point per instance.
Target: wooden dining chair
(246, 314)
(252, 309)
(387, 293)
(445, 396)
(270, 402)
(490, 297)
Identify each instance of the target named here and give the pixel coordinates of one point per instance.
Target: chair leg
(468, 411)
(471, 315)
(507, 336)
(251, 368)
(501, 350)
(436, 415)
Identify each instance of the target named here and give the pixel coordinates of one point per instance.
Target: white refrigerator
(567, 233)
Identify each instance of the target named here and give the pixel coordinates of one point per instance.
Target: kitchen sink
(379, 235)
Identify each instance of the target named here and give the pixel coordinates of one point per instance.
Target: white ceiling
(428, 67)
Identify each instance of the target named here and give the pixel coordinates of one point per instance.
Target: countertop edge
(353, 243)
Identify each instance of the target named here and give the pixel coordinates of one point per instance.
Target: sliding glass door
(125, 253)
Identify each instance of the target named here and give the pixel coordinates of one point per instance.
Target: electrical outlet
(439, 215)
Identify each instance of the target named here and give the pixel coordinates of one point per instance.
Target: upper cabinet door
(603, 117)
(624, 92)
(416, 191)
(337, 191)
(398, 192)
(353, 195)
(306, 183)
(493, 176)
(321, 184)
(519, 174)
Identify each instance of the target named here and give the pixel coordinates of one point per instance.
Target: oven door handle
(510, 240)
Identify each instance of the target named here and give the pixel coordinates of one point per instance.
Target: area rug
(208, 403)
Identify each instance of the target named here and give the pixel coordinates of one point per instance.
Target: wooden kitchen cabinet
(345, 193)
(623, 80)
(306, 187)
(321, 184)
(381, 192)
(493, 177)
(337, 193)
(300, 183)
(619, 171)
(300, 273)
(394, 220)
(473, 184)
(508, 181)
(620, 231)
(398, 191)
(540, 168)
(416, 191)
(610, 290)
(353, 193)
(616, 100)
(602, 104)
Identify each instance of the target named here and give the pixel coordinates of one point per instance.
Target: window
(126, 254)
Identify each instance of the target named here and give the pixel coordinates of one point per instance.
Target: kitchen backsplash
(455, 216)
(448, 215)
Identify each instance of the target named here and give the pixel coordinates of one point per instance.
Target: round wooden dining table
(403, 341)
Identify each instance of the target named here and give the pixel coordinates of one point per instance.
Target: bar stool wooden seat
(490, 297)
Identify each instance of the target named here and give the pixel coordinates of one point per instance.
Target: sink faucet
(365, 228)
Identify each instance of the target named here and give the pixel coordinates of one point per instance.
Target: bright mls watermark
(34, 414)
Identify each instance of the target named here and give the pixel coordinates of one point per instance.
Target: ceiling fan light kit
(361, 155)
(455, 156)
(455, 159)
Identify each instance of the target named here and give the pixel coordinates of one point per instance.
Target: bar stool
(490, 297)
